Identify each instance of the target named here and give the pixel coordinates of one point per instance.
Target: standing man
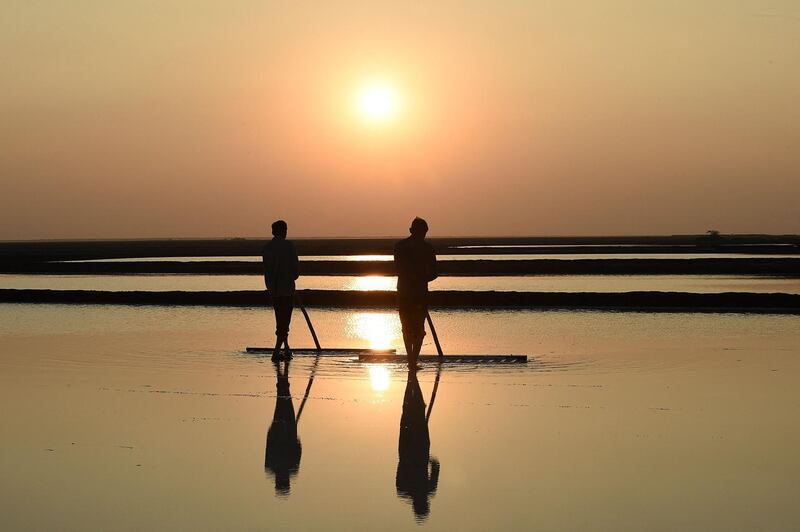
(281, 269)
(415, 261)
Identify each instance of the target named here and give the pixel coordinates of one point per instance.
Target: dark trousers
(412, 319)
(283, 306)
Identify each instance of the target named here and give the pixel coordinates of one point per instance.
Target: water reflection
(379, 378)
(371, 282)
(417, 472)
(283, 450)
(379, 329)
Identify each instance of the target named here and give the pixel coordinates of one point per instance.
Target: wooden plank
(479, 359)
(325, 351)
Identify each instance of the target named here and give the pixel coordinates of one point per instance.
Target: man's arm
(295, 262)
(431, 270)
(266, 257)
(433, 481)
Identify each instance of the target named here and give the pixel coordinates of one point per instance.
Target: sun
(378, 102)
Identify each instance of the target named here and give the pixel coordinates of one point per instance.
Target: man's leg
(283, 316)
(419, 332)
(412, 319)
(288, 307)
(278, 337)
(408, 342)
(408, 333)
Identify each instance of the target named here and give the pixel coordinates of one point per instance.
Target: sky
(212, 119)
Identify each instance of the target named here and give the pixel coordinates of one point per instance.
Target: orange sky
(204, 118)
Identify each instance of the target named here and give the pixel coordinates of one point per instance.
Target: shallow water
(528, 283)
(132, 418)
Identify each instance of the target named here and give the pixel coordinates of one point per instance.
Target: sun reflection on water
(379, 377)
(372, 282)
(359, 258)
(379, 329)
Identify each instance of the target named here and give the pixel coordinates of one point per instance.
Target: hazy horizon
(266, 235)
(173, 119)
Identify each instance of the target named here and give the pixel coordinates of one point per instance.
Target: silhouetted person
(281, 269)
(282, 455)
(415, 481)
(415, 261)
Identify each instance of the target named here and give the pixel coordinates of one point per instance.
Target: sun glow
(372, 282)
(379, 329)
(379, 378)
(378, 102)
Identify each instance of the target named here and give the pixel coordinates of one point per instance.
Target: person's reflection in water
(282, 457)
(417, 473)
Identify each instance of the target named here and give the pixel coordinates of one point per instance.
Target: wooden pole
(433, 332)
(308, 320)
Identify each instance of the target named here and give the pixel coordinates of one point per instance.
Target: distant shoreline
(109, 249)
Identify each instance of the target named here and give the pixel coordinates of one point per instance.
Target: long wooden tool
(449, 359)
(308, 320)
(433, 332)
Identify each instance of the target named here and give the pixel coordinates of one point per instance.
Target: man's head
(279, 229)
(419, 227)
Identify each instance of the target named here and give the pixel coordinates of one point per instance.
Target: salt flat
(127, 418)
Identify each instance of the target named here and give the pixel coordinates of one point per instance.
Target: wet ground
(128, 418)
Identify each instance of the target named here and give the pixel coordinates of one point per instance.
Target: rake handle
(308, 320)
(433, 332)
